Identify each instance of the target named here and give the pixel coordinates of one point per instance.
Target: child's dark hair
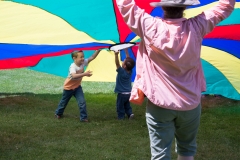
(130, 63)
(75, 53)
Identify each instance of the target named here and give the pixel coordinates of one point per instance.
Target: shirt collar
(174, 21)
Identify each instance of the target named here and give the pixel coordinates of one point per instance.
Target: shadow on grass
(3, 95)
(100, 106)
(30, 131)
(218, 101)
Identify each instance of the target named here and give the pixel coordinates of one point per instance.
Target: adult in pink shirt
(169, 71)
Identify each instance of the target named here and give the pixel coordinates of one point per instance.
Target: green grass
(28, 129)
(28, 81)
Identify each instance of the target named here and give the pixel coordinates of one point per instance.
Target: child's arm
(126, 52)
(116, 59)
(80, 75)
(95, 54)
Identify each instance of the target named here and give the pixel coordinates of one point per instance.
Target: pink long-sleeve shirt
(168, 66)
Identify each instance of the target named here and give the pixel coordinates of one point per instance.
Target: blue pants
(123, 105)
(165, 124)
(66, 96)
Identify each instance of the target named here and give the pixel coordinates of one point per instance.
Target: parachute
(40, 34)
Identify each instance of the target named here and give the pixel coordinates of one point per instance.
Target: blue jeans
(123, 105)
(165, 124)
(66, 96)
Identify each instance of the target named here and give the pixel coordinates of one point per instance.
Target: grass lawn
(28, 129)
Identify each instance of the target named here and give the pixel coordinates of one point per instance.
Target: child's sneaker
(131, 117)
(57, 116)
(84, 120)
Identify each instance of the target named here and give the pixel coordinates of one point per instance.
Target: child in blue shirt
(124, 86)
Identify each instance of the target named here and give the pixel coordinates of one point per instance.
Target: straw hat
(175, 3)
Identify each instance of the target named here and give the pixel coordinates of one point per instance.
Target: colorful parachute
(40, 34)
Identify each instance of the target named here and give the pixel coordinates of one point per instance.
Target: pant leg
(127, 106)
(120, 106)
(81, 103)
(66, 96)
(161, 129)
(187, 124)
